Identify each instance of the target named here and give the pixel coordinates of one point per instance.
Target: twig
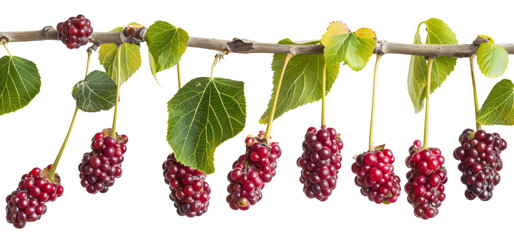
(136, 35)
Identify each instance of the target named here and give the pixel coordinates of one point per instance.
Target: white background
(138, 206)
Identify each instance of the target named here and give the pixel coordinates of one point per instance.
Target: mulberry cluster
(251, 171)
(480, 162)
(100, 167)
(75, 31)
(375, 175)
(28, 202)
(426, 179)
(189, 190)
(320, 162)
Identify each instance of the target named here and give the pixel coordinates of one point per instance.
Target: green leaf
(301, 83)
(417, 78)
(202, 115)
(492, 59)
(166, 44)
(498, 108)
(130, 58)
(438, 32)
(95, 93)
(19, 83)
(333, 41)
(355, 48)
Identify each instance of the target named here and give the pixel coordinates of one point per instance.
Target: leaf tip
(366, 33)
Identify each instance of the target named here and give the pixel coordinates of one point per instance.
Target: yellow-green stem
(213, 65)
(275, 98)
(7, 49)
(118, 83)
(87, 64)
(477, 107)
(323, 93)
(178, 75)
(425, 134)
(372, 121)
(56, 161)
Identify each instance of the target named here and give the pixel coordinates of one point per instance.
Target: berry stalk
(477, 107)
(51, 173)
(323, 93)
(118, 83)
(275, 98)
(372, 121)
(178, 76)
(425, 134)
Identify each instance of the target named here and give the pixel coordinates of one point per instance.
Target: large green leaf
(354, 48)
(301, 83)
(498, 108)
(202, 115)
(438, 32)
(166, 44)
(130, 58)
(492, 59)
(95, 93)
(19, 83)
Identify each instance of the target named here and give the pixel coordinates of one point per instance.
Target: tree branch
(134, 34)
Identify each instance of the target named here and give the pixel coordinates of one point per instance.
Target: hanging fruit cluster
(320, 162)
(100, 167)
(480, 162)
(28, 202)
(211, 110)
(189, 190)
(251, 171)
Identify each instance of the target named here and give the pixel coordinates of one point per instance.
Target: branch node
(134, 34)
(4, 39)
(93, 47)
(46, 29)
(379, 47)
(480, 40)
(141, 33)
(292, 50)
(239, 45)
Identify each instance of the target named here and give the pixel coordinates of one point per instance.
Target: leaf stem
(118, 82)
(87, 64)
(275, 98)
(7, 49)
(323, 93)
(425, 134)
(372, 121)
(477, 107)
(51, 174)
(213, 65)
(178, 76)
